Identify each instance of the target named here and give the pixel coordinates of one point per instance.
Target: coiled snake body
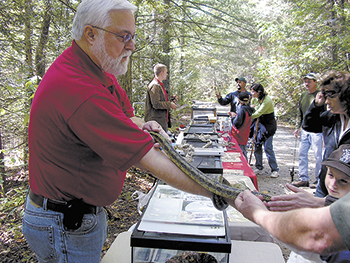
(222, 189)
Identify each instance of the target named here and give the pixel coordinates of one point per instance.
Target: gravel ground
(286, 149)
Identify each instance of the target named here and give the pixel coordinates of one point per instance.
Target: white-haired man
(83, 136)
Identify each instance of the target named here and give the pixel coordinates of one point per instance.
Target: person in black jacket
(335, 93)
(232, 98)
(334, 122)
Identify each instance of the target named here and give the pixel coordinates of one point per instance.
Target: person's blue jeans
(315, 141)
(319, 192)
(270, 154)
(51, 242)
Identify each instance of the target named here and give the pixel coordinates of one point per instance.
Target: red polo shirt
(81, 138)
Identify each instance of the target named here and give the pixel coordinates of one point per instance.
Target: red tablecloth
(243, 165)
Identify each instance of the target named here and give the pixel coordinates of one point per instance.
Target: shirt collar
(161, 83)
(92, 69)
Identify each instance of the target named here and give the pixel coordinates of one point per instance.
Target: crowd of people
(254, 117)
(83, 136)
(319, 222)
(324, 126)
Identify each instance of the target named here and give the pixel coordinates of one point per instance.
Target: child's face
(337, 183)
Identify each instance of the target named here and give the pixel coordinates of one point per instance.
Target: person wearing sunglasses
(308, 139)
(334, 122)
(83, 137)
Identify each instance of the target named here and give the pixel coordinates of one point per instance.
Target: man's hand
(319, 99)
(249, 205)
(299, 199)
(173, 105)
(218, 94)
(232, 114)
(296, 133)
(155, 126)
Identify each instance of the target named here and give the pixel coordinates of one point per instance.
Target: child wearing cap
(337, 182)
(338, 185)
(241, 122)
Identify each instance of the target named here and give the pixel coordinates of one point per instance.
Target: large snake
(222, 189)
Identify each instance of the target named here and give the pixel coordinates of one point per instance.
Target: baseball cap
(340, 159)
(243, 96)
(241, 79)
(310, 76)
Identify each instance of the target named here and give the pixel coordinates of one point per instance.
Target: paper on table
(234, 157)
(179, 211)
(190, 214)
(235, 178)
(234, 216)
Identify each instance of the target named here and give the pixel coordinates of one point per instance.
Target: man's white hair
(96, 13)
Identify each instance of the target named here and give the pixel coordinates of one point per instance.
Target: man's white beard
(111, 65)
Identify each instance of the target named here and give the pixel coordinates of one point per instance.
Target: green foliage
(304, 36)
(206, 39)
(11, 208)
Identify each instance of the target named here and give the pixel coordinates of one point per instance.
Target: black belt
(59, 206)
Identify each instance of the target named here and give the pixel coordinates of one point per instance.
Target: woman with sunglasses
(334, 122)
(335, 93)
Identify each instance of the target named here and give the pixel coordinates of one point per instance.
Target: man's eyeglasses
(329, 94)
(125, 38)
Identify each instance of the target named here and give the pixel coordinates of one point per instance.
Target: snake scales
(219, 188)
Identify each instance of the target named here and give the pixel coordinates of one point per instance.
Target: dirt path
(286, 149)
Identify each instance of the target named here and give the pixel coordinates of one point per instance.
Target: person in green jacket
(264, 112)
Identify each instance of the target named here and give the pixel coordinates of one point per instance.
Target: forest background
(206, 44)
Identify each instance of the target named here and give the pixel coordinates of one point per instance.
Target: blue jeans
(307, 140)
(51, 242)
(319, 192)
(270, 154)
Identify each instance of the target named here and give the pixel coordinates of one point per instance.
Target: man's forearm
(158, 164)
(305, 229)
(138, 121)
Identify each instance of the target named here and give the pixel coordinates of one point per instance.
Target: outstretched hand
(249, 205)
(299, 199)
(319, 99)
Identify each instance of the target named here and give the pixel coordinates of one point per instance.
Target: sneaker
(274, 174)
(258, 171)
(301, 184)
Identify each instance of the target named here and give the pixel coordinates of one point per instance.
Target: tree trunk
(40, 59)
(166, 42)
(2, 167)
(125, 81)
(333, 33)
(27, 43)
